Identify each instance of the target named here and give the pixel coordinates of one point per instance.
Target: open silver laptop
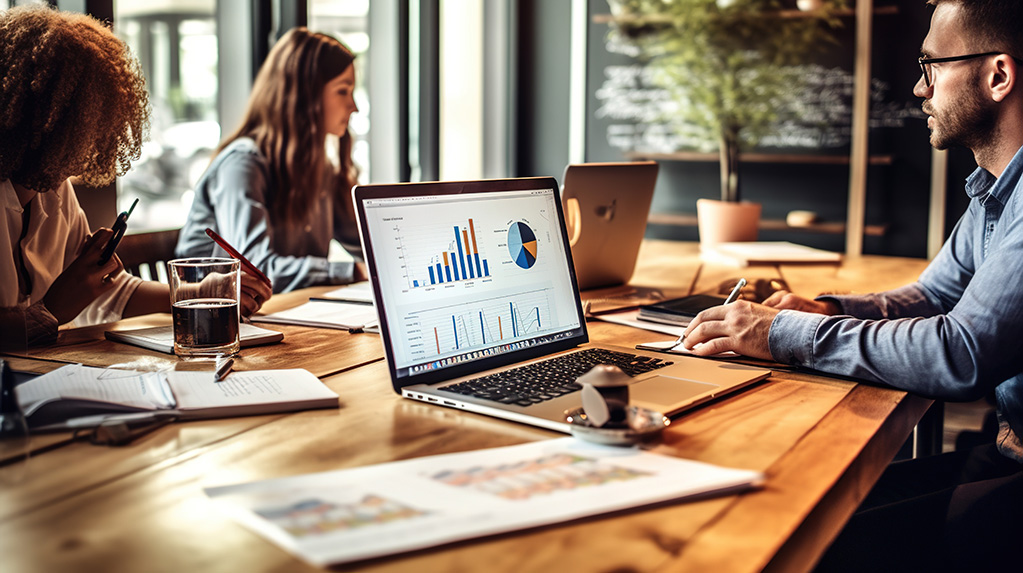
(474, 280)
(606, 209)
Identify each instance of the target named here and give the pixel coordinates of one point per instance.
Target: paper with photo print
(361, 513)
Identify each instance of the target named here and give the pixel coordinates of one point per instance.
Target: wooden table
(820, 441)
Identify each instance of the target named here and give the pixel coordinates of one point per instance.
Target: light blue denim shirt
(955, 334)
(232, 197)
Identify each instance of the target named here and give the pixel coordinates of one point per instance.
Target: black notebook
(678, 311)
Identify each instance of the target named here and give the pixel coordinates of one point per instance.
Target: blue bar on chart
(454, 328)
(462, 261)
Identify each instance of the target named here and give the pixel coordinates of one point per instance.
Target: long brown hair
(285, 118)
(72, 101)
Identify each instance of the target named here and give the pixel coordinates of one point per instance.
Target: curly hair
(72, 99)
(284, 115)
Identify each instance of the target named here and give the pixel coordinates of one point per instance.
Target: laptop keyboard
(548, 379)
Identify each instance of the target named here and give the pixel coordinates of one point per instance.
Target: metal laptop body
(476, 277)
(606, 207)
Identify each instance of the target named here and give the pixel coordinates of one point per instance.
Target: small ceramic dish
(641, 424)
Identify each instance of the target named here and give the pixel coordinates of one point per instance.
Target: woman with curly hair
(275, 190)
(72, 103)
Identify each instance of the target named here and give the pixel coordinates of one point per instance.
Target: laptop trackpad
(664, 393)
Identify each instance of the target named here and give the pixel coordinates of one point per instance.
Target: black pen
(119, 227)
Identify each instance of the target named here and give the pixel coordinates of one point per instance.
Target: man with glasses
(955, 334)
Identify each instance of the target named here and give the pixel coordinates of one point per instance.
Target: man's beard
(967, 121)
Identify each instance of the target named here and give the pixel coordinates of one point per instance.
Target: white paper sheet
(631, 318)
(355, 292)
(198, 389)
(325, 314)
(361, 513)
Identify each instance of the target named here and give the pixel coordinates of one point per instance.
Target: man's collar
(982, 181)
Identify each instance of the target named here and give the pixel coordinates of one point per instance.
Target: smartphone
(120, 226)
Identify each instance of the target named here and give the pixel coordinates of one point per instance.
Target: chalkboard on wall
(624, 120)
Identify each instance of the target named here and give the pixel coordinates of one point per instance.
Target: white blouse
(57, 227)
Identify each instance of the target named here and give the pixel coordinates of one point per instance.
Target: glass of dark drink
(204, 302)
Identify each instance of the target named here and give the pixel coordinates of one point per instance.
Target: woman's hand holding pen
(256, 287)
(741, 327)
(83, 280)
(255, 292)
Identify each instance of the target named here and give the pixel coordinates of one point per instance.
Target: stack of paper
(346, 308)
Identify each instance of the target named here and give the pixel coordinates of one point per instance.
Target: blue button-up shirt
(955, 334)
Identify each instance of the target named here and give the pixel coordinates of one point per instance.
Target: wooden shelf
(833, 228)
(696, 156)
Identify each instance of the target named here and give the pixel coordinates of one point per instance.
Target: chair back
(145, 255)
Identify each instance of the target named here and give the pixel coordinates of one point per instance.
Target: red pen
(251, 268)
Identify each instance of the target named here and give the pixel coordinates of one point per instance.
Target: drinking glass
(204, 302)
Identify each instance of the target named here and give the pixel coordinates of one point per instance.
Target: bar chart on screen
(437, 254)
(458, 327)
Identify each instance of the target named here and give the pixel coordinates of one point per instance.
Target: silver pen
(735, 292)
(224, 366)
(732, 296)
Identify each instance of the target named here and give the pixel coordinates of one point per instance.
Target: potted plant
(728, 67)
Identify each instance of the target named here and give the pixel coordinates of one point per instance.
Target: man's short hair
(992, 24)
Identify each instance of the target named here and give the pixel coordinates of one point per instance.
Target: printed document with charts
(361, 513)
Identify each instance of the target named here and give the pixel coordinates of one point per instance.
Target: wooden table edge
(827, 519)
(811, 530)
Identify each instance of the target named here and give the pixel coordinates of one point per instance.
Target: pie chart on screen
(522, 245)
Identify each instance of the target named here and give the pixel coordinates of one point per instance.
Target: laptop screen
(469, 276)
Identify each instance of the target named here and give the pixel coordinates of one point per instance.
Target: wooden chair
(145, 255)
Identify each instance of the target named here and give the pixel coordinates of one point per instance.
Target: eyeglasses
(925, 63)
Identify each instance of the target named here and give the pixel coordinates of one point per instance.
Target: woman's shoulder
(240, 158)
(63, 199)
(241, 147)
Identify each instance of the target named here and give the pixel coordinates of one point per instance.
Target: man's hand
(784, 300)
(741, 327)
(84, 280)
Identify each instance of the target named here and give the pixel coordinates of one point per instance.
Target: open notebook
(77, 396)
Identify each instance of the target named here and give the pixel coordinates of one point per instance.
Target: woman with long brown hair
(274, 190)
